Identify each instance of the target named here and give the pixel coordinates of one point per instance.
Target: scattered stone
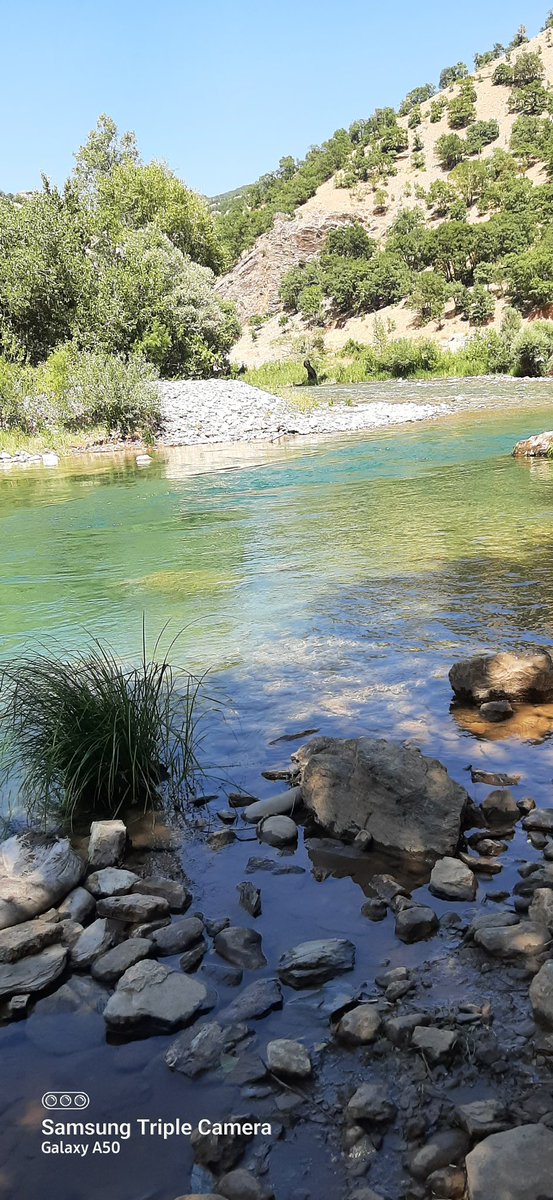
(221, 1151)
(363, 840)
(539, 445)
(539, 818)
(191, 959)
(360, 1025)
(405, 800)
(515, 1165)
(36, 871)
(223, 974)
(146, 929)
(500, 807)
(486, 865)
(396, 991)
(70, 931)
(178, 936)
(368, 1104)
(452, 880)
(526, 805)
(496, 710)
(436, 1045)
(242, 947)
(255, 1001)
(511, 941)
(176, 894)
(250, 898)
(277, 831)
(481, 1118)
(93, 942)
(375, 910)
(133, 908)
(28, 938)
(226, 816)
(108, 840)
(149, 996)
(275, 806)
(414, 924)
(394, 975)
(221, 838)
(33, 973)
(18, 1007)
(448, 1182)
(387, 888)
(399, 1030)
(197, 1050)
(241, 800)
(77, 906)
(240, 1185)
(312, 963)
(504, 676)
(541, 993)
(110, 881)
(213, 925)
(442, 1149)
(487, 920)
(286, 1057)
(494, 778)
(112, 965)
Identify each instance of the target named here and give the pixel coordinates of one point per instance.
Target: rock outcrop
(254, 283)
(540, 445)
(507, 676)
(406, 801)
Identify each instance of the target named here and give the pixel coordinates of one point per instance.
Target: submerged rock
(312, 963)
(151, 997)
(199, 1050)
(496, 710)
(254, 1002)
(274, 806)
(500, 807)
(36, 872)
(506, 676)
(415, 923)
(406, 801)
(250, 898)
(278, 831)
(515, 1165)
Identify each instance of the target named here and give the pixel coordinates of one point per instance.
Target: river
(325, 583)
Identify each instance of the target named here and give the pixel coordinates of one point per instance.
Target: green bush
(503, 75)
(532, 99)
(437, 109)
(480, 134)
(416, 97)
(461, 112)
(350, 241)
(528, 68)
(450, 150)
(533, 350)
(482, 305)
(450, 75)
(87, 736)
(429, 296)
(105, 390)
(415, 117)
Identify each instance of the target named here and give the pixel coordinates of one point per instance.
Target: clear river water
(325, 583)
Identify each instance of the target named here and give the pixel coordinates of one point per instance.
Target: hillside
(400, 185)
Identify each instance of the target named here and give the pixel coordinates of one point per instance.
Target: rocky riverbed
(401, 1056)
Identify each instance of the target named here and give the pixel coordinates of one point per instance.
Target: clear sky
(221, 89)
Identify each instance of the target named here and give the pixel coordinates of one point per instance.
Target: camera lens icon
(65, 1100)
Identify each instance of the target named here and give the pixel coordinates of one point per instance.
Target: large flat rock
(152, 998)
(36, 871)
(406, 801)
(33, 973)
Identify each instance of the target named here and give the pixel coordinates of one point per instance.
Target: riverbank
(233, 412)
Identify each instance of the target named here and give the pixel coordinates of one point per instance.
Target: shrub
(350, 241)
(310, 303)
(415, 117)
(450, 150)
(533, 349)
(437, 109)
(429, 296)
(532, 99)
(89, 735)
(404, 358)
(519, 39)
(294, 282)
(482, 305)
(105, 390)
(480, 134)
(488, 56)
(415, 97)
(529, 277)
(528, 68)
(503, 75)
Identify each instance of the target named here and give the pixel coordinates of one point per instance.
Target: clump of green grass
(88, 736)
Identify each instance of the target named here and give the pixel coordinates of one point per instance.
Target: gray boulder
(151, 997)
(241, 947)
(106, 847)
(94, 941)
(360, 1025)
(255, 1001)
(178, 936)
(77, 906)
(287, 1057)
(278, 831)
(504, 676)
(33, 973)
(541, 993)
(514, 940)
(415, 923)
(133, 908)
(406, 801)
(369, 1104)
(452, 880)
(36, 872)
(28, 938)
(312, 963)
(112, 965)
(515, 1165)
(110, 881)
(176, 894)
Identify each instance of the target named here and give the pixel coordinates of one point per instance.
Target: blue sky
(220, 89)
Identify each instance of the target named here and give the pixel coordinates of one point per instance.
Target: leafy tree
(351, 241)
(470, 180)
(441, 197)
(528, 68)
(461, 112)
(450, 75)
(408, 238)
(548, 23)
(450, 150)
(482, 60)
(481, 134)
(311, 304)
(415, 117)
(429, 296)
(529, 277)
(531, 99)
(103, 150)
(294, 282)
(387, 281)
(416, 97)
(132, 196)
(532, 138)
(503, 75)
(437, 109)
(533, 350)
(519, 39)
(482, 305)
(452, 251)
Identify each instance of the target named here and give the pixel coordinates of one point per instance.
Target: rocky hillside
(470, 106)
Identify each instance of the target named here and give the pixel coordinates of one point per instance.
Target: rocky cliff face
(254, 282)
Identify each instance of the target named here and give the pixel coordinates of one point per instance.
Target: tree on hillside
(429, 296)
(450, 75)
(103, 150)
(450, 150)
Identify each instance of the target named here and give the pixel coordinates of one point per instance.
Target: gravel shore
(217, 410)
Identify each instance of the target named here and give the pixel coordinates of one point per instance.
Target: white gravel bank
(221, 410)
